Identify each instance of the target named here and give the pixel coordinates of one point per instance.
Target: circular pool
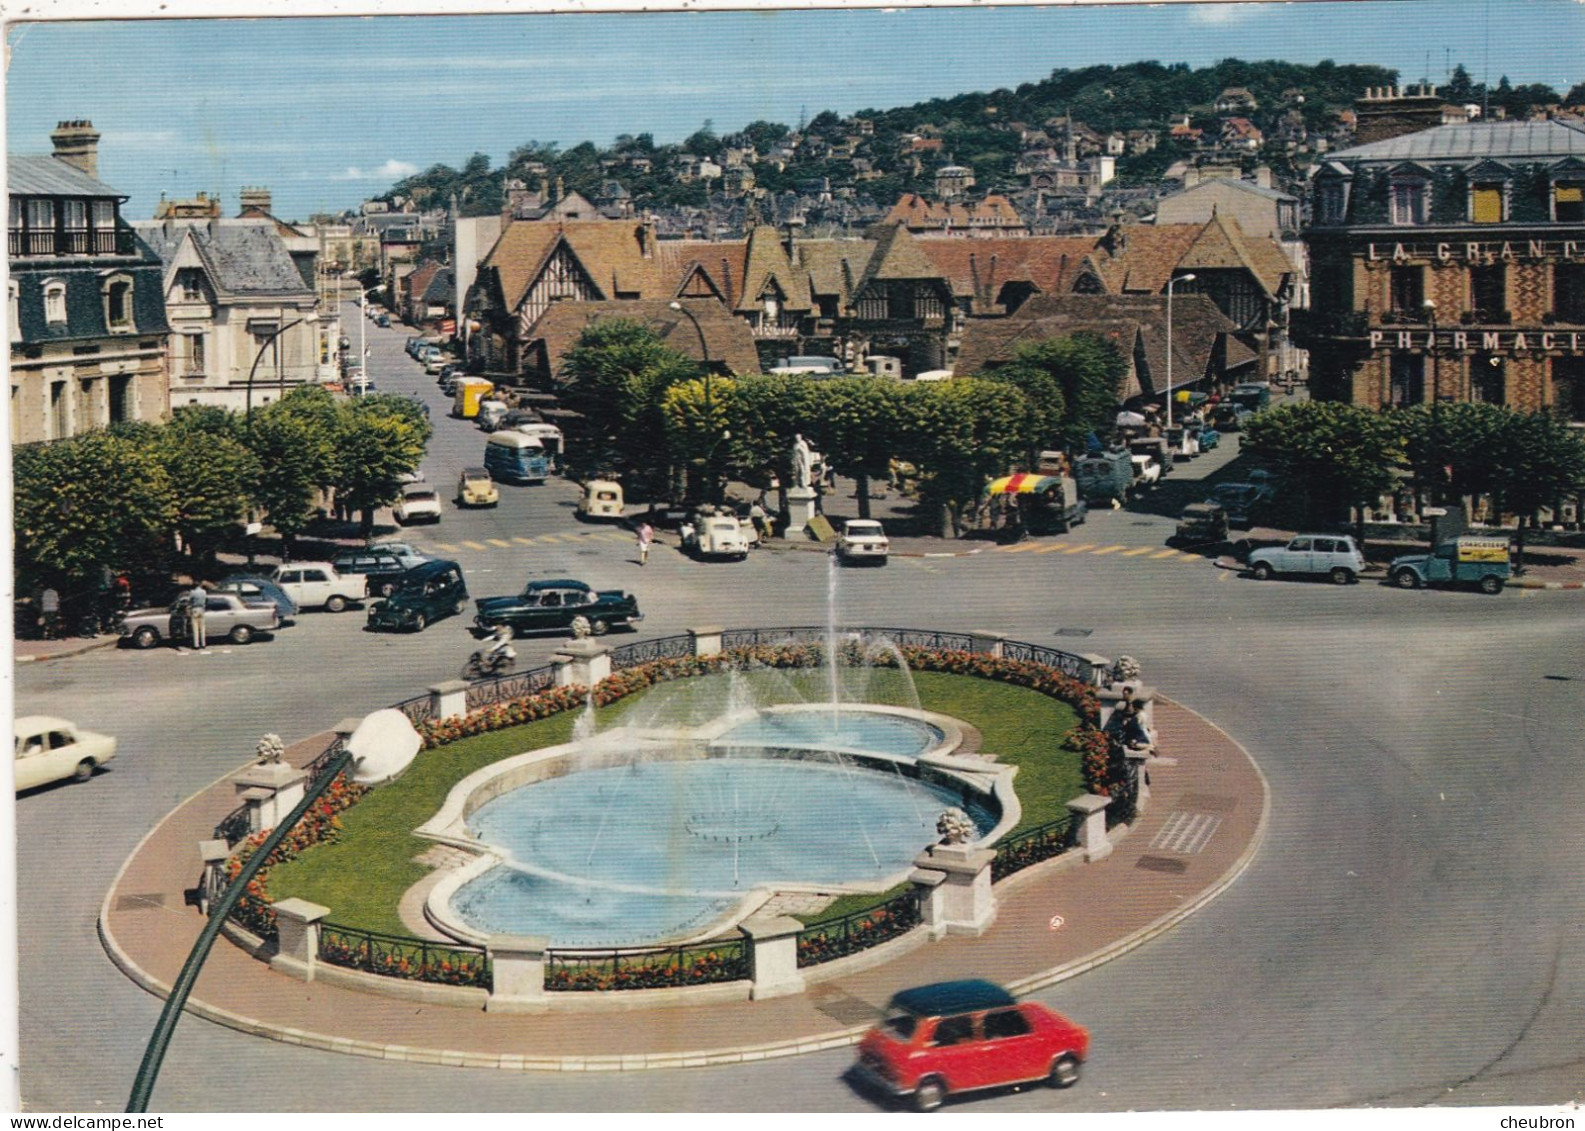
(822, 729)
(661, 848)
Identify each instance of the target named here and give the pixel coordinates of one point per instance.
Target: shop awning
(1023, 484)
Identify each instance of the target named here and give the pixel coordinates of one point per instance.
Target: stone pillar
(800, 507)
(449, 700)
(1099, 666)
(1090, 811)
(968, 904)
(587, 662)
(773, 956)
(989, 643)
(517, 973)
(214, 853)
(706, 641)
(271, 791)
(298, 923)
(932, 900)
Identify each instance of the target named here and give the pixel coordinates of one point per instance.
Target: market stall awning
(1023, 484)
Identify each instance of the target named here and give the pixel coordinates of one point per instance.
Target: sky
(326, 112)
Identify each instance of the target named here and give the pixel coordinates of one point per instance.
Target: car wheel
(146, 637)
(1406, 579)
(420, 622)
(1341, 576)
(1262, 571)
(599, 627)
(1491, 583)
(241, 634)
(1064, 1071)
(930, 1095)
(335, 603)
(84, 770)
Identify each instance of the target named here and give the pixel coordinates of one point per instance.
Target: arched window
(54, 301)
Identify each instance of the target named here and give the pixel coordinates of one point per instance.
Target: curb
(1545, 585)
(76, 650)
(838, 1038)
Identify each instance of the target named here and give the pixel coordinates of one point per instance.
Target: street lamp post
(1170, 284)
(709, 404)
(1429, 305)
(247, 414)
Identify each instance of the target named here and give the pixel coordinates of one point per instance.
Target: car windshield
(420, 496)
(865, 528)
(901, 1025)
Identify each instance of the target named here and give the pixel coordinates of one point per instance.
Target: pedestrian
(756, 515)
(197, 602)
(646, 535)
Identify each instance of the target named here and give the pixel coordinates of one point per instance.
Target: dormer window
(118, 304)
(1408, 197)
(1568, 200)
(1488, 202)
(1331, 201)
(190, 284)
(54, 301)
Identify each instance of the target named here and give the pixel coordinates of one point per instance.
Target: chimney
(1389, 111)
(256, 200)
(561, 189)
(1263, 176)
(77, 143)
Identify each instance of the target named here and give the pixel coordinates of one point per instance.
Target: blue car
(1209, 437)
(253, 588)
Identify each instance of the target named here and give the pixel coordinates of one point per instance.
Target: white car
(1147, 472)
(419, 503)
(50, 749)
(863, 540)
(315, 585)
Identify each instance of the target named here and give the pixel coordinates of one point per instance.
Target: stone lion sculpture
(955, 826)
(1126, 669)
(270, 749)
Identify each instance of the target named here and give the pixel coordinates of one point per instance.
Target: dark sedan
(553, 606)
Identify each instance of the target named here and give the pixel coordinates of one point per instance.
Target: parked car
(816, 366)
(518, 417)
(1328, 555)
(1471, 559)
(1243, 502)
(1200, 524)
(953, 1037)
(259, 589)
(715, 533)
(427, 593)
(383, 321)
(318, 585)
(475, 488)
(419, 503)
(437, 361)
(600, 499)
(412, 345)
(1207, 437)
(226, 615)
(551, 606)
(665, 515)
(490, 413)
(410, 554)
(1147, 470)
(52, 749)
(863, 540)
(1252, 395)
(382, 568)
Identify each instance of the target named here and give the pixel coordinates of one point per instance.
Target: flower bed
(709, 963)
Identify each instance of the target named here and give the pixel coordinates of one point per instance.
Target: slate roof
(1466, 141)
(1136, 324)
(31, 175)
(242, 257)
(439, 291)
(730, 340)
(85, 308)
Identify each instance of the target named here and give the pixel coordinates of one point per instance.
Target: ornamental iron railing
(649, 968)
(1068, 663)
(648, 651)
(1034, 845)
(317, 767)
(418, 709)
(398, 956)
(504, 688)
(235, 826)
(755, 637)
(848, 934)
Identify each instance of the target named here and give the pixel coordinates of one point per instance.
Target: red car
(956, 1037)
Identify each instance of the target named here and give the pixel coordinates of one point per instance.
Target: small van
(515, 458)
(601, 499)
(425, 594)
(470, 391)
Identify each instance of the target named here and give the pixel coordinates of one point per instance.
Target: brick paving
(1053, 921)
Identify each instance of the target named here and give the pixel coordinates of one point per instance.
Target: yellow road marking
(548, 538)
(1109, 550)
(449, 547)
(1050, 547)
(1226, 573)
(1080, 546)
(475, 545)
(499, 542)
(521, 541)
(1022, 547)
(1136, 553)
(1164, 554)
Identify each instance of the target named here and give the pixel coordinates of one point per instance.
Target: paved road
(1408, 935)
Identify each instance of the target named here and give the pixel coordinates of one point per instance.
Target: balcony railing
(1311, 325)
(97, 241)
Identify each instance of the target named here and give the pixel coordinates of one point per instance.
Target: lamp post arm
(253, 371)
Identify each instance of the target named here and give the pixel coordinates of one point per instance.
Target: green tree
(858, 425)
(1072, 382)
(1540, 459)
(1326, 456)
(768, 412)
(616, 376)
(297, 445)
(1452, 449)
(214, 475)
(698, 422)
(89, 503)
(960, 434)
(377, 440)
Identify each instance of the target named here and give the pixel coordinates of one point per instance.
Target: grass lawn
(362, 877)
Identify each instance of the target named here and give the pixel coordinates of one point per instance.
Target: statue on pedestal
(803, 462)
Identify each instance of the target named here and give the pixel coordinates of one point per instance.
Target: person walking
(646, 535)
(197, 601)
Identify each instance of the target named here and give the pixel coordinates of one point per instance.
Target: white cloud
(392, 170)
(1222, 14)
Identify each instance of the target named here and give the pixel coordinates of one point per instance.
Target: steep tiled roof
(611, 251)
(730, 340)
(720, 262)
(243, 257)
(978, 268)
(768, 268)
(1136, 324)
(1222, 244)
(1140, 258)
(897, 256)
(834, 267)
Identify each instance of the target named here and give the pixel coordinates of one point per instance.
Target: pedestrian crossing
(538, 540)
(1185, 833)
(1097, 549)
